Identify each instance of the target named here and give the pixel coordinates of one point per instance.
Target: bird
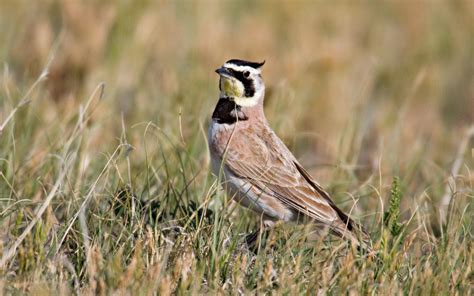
(256, 168)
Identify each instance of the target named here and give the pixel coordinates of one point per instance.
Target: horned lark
(256, 167)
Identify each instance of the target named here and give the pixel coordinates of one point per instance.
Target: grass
(104, 170)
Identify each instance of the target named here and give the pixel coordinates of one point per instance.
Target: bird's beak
(222, 71)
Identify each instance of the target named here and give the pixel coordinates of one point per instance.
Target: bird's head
(242, 82)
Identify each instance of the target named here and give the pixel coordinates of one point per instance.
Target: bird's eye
(246, 74)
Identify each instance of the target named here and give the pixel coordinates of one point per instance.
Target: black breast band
(227, 111)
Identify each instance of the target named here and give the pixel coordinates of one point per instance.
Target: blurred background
(356, 90)
(346, 82)
(360, 92)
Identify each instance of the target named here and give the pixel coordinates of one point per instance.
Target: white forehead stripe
(242, 68)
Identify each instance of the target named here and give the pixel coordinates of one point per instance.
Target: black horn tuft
(238, 62)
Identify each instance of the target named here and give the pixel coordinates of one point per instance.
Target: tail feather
(353, 232)
(347, 227)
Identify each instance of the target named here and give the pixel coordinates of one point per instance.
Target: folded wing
(269, 166)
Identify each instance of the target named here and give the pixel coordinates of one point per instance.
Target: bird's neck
(227, 111)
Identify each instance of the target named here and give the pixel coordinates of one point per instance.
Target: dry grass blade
(11, 251)
(26, 98)
(448, 191)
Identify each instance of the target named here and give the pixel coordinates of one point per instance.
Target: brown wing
(265, 162)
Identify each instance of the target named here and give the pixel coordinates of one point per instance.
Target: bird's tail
(345, 227)
(354, 232)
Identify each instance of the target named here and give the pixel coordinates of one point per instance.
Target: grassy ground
(104, 169)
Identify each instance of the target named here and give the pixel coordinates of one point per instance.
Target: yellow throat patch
(231, 87)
